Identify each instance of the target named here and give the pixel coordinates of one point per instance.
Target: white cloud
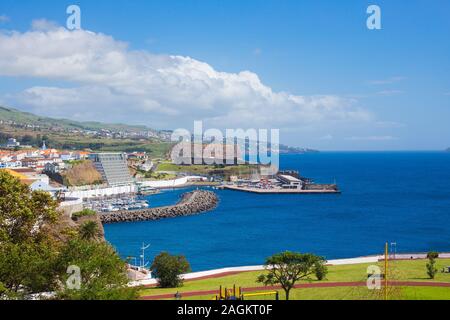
(43, 25)
(257, 52)
(390, 80)
(105, 80)
(4, 18)
(389, 92)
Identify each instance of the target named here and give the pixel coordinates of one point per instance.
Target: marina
(122, 203)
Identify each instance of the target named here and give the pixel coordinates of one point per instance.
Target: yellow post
(386, 271)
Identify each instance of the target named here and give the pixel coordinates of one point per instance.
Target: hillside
(20, 117)
(83, 173)
(30, 129)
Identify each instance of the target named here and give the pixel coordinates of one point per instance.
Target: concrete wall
(100, 192)
(169, 183)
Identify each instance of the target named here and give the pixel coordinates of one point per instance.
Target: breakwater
(191, 203)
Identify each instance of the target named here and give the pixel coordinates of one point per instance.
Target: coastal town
(107, 182)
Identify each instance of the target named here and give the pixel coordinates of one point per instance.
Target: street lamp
(394, 249)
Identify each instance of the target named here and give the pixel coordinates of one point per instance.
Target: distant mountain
(448, 150)
(26, 118)
(295, 150)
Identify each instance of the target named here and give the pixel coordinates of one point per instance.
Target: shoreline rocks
(191, 203)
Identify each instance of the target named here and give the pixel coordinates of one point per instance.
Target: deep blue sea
(401, 197)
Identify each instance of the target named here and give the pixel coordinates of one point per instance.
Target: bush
(167, 269)
(83, 213)
(432, 255)
(320, 270)
(431, 265)
(431, 269)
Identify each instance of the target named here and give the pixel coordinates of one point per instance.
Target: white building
(12, 143)
(113, 167)
(290, 182)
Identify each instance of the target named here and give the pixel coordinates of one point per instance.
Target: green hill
(14, 115)
(31, 129)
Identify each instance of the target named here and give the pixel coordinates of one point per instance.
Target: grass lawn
(401, 270)
(208, 169)
(354, 293)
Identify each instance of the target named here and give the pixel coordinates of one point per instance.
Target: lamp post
(143, 248)
(394, 249)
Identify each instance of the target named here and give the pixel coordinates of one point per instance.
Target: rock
(191, 203)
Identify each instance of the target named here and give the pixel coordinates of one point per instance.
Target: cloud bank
(100, 78)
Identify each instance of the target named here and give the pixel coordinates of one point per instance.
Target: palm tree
(89, 231)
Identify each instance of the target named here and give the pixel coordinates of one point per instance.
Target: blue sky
(383, 89)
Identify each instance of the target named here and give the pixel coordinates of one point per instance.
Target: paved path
(304, 286)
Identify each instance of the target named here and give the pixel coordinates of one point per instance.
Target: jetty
(191, 203)
(325, 190)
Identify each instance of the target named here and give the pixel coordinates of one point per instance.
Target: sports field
(342, 283)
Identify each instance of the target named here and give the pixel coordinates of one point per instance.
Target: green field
(243, 169)
(401, 270)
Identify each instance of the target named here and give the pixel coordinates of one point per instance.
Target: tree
(289, 267)
(27, 250)
(168, 268)
(23, 213)
(320, 270)
(431, 265)
(89, 230)
(103, 275)
(32, 260)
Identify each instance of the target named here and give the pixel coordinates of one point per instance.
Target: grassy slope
(403, 270)
(208, 169)
(66, 140)
(10, 114)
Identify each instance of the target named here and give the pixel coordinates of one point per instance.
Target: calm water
(386, 196)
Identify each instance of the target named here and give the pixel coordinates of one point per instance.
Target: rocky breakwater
(191, 203)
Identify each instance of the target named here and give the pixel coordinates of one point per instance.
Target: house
(53, 167)
(12, 143)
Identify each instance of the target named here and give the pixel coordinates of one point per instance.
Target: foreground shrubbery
(33, 260)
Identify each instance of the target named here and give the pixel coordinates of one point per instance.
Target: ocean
(401, 197)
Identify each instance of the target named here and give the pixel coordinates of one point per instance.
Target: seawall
(191, 203)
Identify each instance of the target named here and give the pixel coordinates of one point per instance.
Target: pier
(281, 190)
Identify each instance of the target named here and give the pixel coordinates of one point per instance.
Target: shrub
(168, 268)
(431, 268)
(432, 255)
(83, 213)
(320, 270)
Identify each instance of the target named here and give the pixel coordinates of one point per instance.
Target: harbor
(284, 182)
(116, 204)
(275, 190)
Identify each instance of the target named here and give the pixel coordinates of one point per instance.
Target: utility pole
(386, 258)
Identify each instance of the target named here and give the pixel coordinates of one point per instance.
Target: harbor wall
(191, 203)
(100, 192)
(169, 183)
